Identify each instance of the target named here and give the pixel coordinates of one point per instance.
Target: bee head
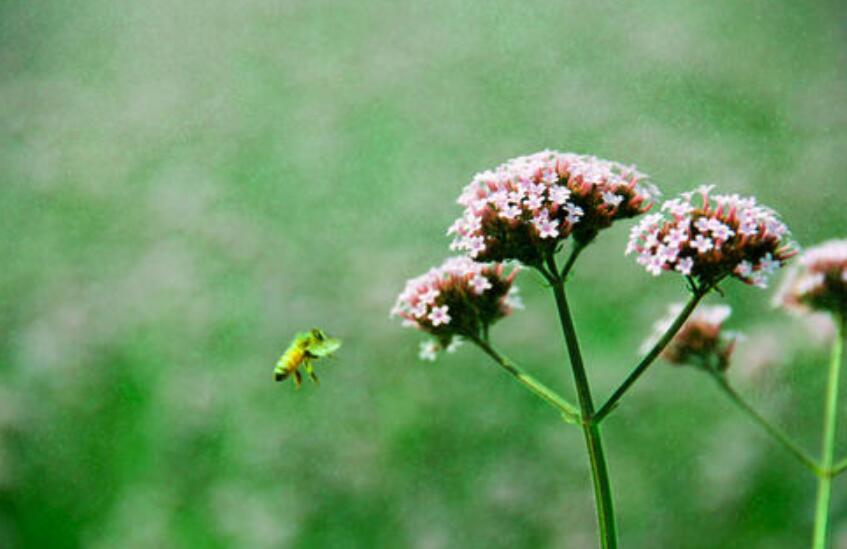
(280, 376)
(318, 334)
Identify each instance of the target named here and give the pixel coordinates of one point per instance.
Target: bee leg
(298, 378)
(310, 369)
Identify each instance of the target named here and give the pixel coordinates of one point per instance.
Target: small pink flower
(439, 316)
(480, 283)
(546, 227)
(534, 201)
(684, 265)
(558, 194)
(702, 244)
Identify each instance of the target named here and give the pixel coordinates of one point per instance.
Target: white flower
(574, 213)
(684, 265)
(768, 264)
(455, 344)
(612, 199)
(748, 228)
(703, 224)
(429, 296)
(546, 227)
(429, 351)
(513, 299)
(534, 201)
(667, 253)
(475, 245)
(559, 194)
(510, 212)
(744, 269)
(721, 231)
(702, 244)
(419, 310)
(439, 316)
(655, 265)
(676, 237)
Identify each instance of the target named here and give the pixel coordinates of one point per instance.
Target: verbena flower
(710, 237)
(819, 281)
(525, 208)
(460, 298)
(701, 341)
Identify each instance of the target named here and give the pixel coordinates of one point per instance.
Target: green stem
(593, 437)
(773, 431)
(652, 355)
(568, 410)
(839, 468)
(819, 540)
(577, 249)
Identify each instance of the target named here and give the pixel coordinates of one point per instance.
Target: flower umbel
(701, 342)
(526, 207)
(723, 235)
(460, 298)
(819, 281)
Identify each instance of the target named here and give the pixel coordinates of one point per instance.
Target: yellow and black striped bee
(305, 348)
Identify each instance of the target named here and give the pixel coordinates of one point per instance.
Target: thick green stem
(773, 431)
(593, 437)
(821, 532)
(568, 410)
(652, 355)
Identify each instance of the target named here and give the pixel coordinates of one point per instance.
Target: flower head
(819, 281)
(701, 341)
(524, 208)
(711, 237)
(460, 298)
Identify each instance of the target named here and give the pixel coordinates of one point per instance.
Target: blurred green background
(186, 184)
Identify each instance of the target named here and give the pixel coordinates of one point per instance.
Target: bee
(305, 348)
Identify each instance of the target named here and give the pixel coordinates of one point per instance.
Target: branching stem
(778, 435)
(593, 437)
(569, 412)
(651, 356)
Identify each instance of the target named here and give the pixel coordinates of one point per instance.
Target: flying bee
(305, 348)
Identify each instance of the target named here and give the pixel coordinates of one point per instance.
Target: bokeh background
(183, 185)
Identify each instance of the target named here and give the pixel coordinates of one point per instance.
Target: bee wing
(325, 347)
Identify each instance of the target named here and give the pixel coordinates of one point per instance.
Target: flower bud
(460, 298)
(701, 341)
(819, 281)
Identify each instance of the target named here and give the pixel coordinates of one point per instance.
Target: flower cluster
(460, 298)
(524, 208)
(819, 281)
(724, 235)
(701, 341)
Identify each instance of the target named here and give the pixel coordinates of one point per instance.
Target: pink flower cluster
(723, 235)
(819, 281)
(701, 341)
(460, 298)
(522, 209)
